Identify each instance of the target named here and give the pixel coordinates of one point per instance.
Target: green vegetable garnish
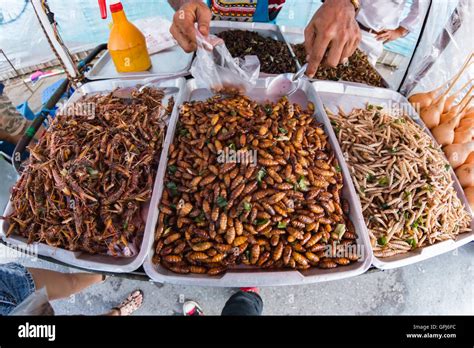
(340, 230)
(261, 174)
(416, 223)
(261, 221)
(172, 187)
(412, 242)
(232, 146)
(283, 130)
(183, 132)
(382, 240)
(399, 121)
(302, 183)
(281, 225)
(199, 218)
(447, 167)
(428, 187)
(172, 169)
(268, 110)
(221, 202)
(370, 177)
(338, 169)
(393, 150)
(247, 206)
(92, 171)
(383, 181)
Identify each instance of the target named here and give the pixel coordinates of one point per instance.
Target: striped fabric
(242, 10)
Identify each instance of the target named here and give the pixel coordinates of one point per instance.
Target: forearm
(176, 4)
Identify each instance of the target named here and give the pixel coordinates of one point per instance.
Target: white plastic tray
(104, 262)
(173, 62)
(349, 96)
(249, 276)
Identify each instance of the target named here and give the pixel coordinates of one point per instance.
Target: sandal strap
(130, 301)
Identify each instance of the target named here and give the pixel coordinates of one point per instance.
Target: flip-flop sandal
(131, 303)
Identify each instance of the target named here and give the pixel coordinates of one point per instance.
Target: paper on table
(157, 34)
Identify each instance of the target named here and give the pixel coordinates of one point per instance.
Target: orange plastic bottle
(127, 45)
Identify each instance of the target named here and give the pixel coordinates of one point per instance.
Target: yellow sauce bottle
(127, 45)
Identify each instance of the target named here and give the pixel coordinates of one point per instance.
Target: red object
(113, 8)
(255, 290)
(103, 9)
(116, 7)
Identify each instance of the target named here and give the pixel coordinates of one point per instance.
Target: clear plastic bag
(214, 67)
(443, 48)
(35, 304)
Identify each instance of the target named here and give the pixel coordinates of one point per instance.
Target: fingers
(346, 52)
(334, 55)
(309, 36)
(383, 35)
(186, 44)
(316, 55)
(203, 15)
(349, 48)
(183, 29)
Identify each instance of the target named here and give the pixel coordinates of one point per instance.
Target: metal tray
(295, 35)
(173, 62)
(103, 262)
(265, 29)
(349, 96)
(249, 276)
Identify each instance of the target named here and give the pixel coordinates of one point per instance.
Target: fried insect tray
(265, 29)
(250, 276)
(349, 96)
(295, 36)
(104, 262)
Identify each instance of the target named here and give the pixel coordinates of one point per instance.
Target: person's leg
(244, 303)
(16, 284)
(62, 285)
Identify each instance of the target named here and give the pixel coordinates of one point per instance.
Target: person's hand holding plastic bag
(214, 68)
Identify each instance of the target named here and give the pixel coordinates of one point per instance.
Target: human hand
(390, 35)
(332, 28)
(183, 29)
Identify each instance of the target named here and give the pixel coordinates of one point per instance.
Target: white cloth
(371, 46)
(387, 14)
(384, 14)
